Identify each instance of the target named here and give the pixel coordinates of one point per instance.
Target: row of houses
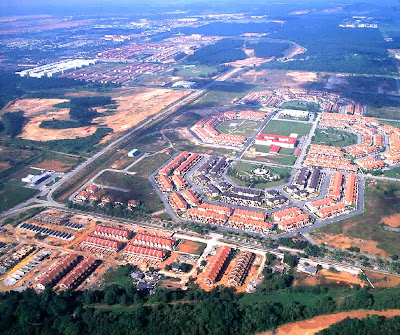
(177, 167)
(372, 132)
(241, 267)
(330, 102)
(93, 194)
(214, 267)
(305, 184)
(205, 129)
(322, 156)
(291, 218)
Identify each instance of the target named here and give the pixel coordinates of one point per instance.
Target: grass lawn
(335, 138)
(382, 198)
(239, 127)
(12, 195)
(392, 173)
(148, 165)
(286, 128)
(241, 174)
(139, 188)
(386, 112)
(120, 276)
(197, 71)
(300, 105)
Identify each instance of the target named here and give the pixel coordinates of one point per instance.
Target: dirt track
(314, 325)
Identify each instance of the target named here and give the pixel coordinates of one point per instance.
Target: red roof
(165, 241)
(73, 277)
(145, 251)
(276, 139)
(55, 272)
(101, 242)
(112, 231)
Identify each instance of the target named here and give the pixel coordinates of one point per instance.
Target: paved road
(307, 142)
(252, 139)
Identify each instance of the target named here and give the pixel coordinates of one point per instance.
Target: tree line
(123, 310)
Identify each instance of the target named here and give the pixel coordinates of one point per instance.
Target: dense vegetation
(224, 51)
(12, 123)
(59, 124)
(81, 108)
(231, 29)
(13, 86)
(123, 310)
(369, 326)
(268, 49)
(77, 145)
(331, 48)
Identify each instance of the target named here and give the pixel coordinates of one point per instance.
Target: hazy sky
(65, 7)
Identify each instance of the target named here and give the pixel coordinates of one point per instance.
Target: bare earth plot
(134, 106)
(314, 325)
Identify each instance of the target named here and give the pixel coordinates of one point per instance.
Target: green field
(12, 195)
(300, 105)
(241, 174)
(239, 127)
(382, 199)
(392, 173)
(148, 165)
(285, 128)
(139, 188)
(198, 71)
(336, 138)
(393, 123)
(384, 112)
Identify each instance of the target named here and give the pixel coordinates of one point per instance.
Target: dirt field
(251, 62)
(383, 280)
(54, 165)
(392, 221)
(342, 242)
(134, 106)
(191, 247)
(4, 166)
(279, 77)
(314, 325)
(327, 278)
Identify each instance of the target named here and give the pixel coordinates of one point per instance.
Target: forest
(123, 310)
(268, 49)
(12, 123)
(224, 51)
(368, 326)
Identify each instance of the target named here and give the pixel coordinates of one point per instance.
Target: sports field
(239, 127)
(285, 128)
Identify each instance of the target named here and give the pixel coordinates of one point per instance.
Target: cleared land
(134, 106)
(191, 247)
(286, 128)
(335, 138)
(278, 77)
(197, 71)
(381, 200)
(328, 279)
(314, 325)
